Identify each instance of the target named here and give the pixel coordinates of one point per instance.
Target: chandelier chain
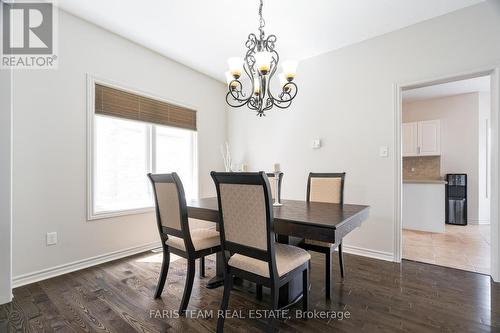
(262, 22)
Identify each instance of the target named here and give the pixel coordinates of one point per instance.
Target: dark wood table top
(325, 215)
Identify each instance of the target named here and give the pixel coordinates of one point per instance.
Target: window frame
(151, 149)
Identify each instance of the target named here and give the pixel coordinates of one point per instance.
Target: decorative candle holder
(276, 189)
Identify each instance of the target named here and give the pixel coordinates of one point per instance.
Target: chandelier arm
(238, 90)
(270, 42)
(251, 41)
(252, 104)
(276, 59)
(228, 101)
(269, 104)
(276, 62)
(292, 88)
(282, 105)
(236, 98)
(251, 44)
(263, 89)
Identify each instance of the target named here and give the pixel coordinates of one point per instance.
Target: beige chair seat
(202, 239)
(318, 243)
(288, 257)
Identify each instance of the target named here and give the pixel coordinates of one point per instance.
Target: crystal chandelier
(260, 64)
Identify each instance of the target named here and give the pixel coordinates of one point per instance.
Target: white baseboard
(360, 251)
(47, 273)
(475, 222)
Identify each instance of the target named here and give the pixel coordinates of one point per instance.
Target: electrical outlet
(383, 151)
(316, 144)
(51, 238)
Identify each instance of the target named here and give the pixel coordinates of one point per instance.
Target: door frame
(6, 132)
(494, 73)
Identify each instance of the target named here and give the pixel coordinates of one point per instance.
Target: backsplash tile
(424, 167)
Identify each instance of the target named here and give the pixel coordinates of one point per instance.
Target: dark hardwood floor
(380, 297)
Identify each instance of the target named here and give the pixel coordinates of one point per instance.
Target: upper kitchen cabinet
(422, 138)
(410, 139)
(429, 138)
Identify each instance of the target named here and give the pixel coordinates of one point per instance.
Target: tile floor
(464, 247)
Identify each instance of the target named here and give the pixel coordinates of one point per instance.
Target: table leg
(218, 279)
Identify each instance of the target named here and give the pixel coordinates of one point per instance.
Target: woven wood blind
(119, 103)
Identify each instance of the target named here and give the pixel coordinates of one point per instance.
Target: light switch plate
(384, 151)
(316, 144)
(51, 238)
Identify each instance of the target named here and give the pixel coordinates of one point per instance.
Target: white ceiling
(479, 84)
(203, 34)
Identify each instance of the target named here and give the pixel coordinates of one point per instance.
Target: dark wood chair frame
(190, 254)
(327, 251)
(274, 281)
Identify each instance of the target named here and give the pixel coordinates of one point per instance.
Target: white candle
(277, 167)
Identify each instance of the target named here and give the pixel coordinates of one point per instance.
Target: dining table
(293, 221)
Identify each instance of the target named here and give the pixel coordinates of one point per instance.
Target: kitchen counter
(424, 181)
(424, 205)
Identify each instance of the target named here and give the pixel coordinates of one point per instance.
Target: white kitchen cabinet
(422, 138)
(429, 138)
(410, 139)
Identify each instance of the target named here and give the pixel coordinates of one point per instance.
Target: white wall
(346, 97)
(460, 134)
(5, 187)
(49, 191)
(484, 162)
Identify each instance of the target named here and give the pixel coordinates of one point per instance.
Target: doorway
(445, 132)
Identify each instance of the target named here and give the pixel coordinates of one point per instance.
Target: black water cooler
(456, 198)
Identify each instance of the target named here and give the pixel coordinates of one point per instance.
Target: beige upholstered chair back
(171, 208)
(326, 188)
(244, 214)
(168, 205)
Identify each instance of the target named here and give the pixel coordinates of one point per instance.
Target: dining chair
(248, 244)
(271, 176)
(176, 234)
(326, 187)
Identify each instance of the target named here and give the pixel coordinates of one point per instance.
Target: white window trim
(91, 82)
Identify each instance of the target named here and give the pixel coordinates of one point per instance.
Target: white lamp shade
(289, 69)
(263, 61)
(235, 66)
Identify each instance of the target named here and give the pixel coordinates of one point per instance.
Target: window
(123, 151)
(175, 151)
(121, 162)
